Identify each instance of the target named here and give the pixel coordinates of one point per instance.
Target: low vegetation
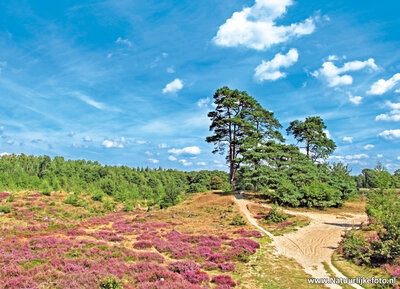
(377, 243)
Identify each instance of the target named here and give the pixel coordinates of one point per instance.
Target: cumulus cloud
(270, 70)
(194, 150)
(172, 158)
(173, 86)
(171, 69)
(87, 138)
(393, 115)
(379, 155)
(162, 146)
(382, 86)
(123, 41)
(390, 134)
(141, 142)
(336, 76)
(254, 27)
(348, 139)
(112, 144)
(369, 146)
(355, 99)
(154, 161)
(148, 153)
(4, 154)
(201, 164)
(356, 157)
(203, 102)
(388, 117)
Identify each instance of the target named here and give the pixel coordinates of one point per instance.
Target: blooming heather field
(46, 243)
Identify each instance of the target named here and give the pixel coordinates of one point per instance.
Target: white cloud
(348, 139)
(335, 76)
(379, 155)
(123, 41)
(87, 138)
(148, 153)
(333, 58)
(171, 69)
(172, 158)
(173, 86)
(141, 142)
(112, 144)
(154, 161)
(355, 99)
(397, 91)
(398, 158)
(392, 105)
(4, 154)
(203, 102)
(390, 134)
(369, 146)
(356, 157)
(185, 163)
(270, 70)
(394, 114)
(201, 164)
(382, 86)
(388, 117)
(328, 134)
(254, 27)
(194, 150)
(91, 101)
(162, 146)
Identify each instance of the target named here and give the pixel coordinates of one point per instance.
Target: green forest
(157, 186)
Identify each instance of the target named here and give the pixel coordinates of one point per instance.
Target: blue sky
(130, 82)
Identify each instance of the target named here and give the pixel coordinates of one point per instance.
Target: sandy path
(312, 245)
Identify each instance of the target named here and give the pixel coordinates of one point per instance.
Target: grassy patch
(351, 270)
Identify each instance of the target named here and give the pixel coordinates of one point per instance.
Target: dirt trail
(312, 245)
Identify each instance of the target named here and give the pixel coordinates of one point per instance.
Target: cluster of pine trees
(163, 187)
(260, 160)
(378, 177)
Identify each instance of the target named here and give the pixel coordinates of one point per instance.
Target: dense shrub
(110, 283)
(276, 215)
(238, 221)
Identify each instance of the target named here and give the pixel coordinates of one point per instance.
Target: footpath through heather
(313, 245)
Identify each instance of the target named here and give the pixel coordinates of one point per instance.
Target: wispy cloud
(123, 41)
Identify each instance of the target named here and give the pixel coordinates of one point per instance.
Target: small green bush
(110, 283)
(108, 205)
(238, 221)
(128, 207)
(5, 209)
(276, 215)
(98, 196)
(10, 198)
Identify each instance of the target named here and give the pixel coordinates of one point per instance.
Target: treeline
(378, 177)
(158, 186)
(260, 160)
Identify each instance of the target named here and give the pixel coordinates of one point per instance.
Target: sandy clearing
(312, 245)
